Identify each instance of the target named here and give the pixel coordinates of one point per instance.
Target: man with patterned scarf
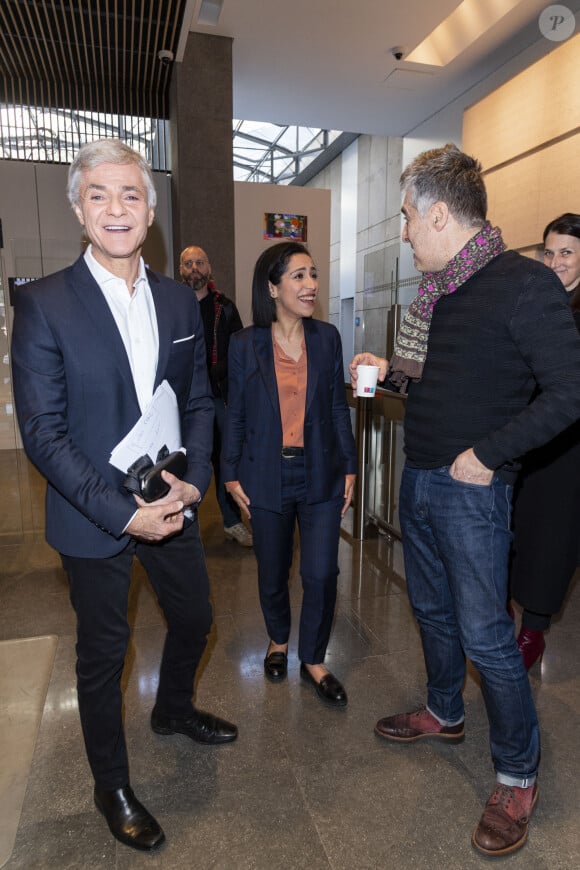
(487, 326)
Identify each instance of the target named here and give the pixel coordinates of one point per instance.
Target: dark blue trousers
(319, 527)
(99, 590)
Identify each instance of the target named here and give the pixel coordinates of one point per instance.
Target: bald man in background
(220, 320)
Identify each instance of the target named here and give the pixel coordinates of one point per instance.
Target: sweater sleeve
(545, 335)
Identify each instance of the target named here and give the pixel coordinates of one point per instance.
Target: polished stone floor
(304, 786)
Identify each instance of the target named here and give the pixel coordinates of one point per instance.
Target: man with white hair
(90, 346)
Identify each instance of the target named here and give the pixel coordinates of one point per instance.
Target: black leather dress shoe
(128, 819)
(276, 666)
(200, 726)
(328, 689)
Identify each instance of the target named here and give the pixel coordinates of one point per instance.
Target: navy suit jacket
(75, 398)
(253, 432)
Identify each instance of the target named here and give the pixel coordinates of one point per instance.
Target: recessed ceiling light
(467, 23)
(209, 12)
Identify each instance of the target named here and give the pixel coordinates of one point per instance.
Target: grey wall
(41, 232)
(371, 194)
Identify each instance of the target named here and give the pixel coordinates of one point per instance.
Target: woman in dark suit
(547, 503)
(289, 454)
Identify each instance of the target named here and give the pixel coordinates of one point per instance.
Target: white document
(158, 426)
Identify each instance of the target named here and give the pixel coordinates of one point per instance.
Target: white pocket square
(187, 338)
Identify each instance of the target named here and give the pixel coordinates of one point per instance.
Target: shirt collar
(103, 276)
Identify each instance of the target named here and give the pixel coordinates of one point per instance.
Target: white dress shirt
(136, 321)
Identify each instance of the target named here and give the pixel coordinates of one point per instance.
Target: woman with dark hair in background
(547, 499)
(289, 454)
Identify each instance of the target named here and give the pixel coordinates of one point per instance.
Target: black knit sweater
(506, 330)
(228, 322)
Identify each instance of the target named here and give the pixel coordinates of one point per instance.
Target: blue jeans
(456, 539)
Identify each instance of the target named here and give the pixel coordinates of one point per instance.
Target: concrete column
(202, 184)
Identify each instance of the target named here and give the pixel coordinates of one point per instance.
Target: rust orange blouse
(291, 377)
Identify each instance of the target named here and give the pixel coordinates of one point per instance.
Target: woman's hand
(234, 487)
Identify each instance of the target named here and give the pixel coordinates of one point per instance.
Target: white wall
(348, 221)
(251, 202)
(365, 228)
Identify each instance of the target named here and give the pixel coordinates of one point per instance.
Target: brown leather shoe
(503, 827)
(408, 727)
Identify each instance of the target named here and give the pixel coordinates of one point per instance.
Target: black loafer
(200, 726)
(329, 689)
(276, 666)
(128, 820)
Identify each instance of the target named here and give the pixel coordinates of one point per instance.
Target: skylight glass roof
(262, 152)
(274, 153)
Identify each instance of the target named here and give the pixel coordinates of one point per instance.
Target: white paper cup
(366, 383)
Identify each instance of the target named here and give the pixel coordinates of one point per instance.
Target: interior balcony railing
(379, 440)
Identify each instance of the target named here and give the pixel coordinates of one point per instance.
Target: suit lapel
(265, 355)
(313, 353)
(162, 310)
(90, 296)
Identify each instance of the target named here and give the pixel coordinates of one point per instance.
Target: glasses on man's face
(198, 263)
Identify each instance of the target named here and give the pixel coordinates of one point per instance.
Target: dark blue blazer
(253, 433)
(76, 399)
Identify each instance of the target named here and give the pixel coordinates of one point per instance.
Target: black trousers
(99, 590)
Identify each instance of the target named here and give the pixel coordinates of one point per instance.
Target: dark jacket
(253, 433)
(75, 398)
(546, 544)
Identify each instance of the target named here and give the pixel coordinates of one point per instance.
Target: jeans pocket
(469, 483)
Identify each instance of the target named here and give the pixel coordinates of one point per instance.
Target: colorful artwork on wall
(285, 226)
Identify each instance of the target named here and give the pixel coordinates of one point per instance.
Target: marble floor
(304, 786)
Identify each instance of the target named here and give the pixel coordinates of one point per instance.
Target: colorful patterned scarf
(411, 345)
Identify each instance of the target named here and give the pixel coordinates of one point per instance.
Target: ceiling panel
(93, 55)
